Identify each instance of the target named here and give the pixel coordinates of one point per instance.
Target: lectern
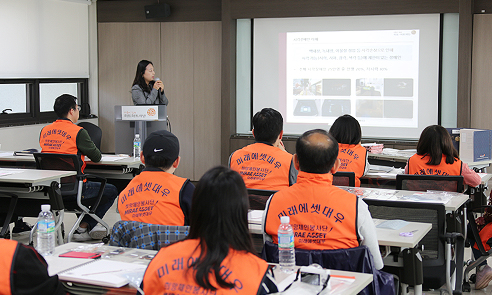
(131, 120)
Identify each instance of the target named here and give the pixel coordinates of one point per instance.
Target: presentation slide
(382, 70)
(372, 75)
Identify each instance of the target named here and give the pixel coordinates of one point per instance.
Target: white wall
(33, 30)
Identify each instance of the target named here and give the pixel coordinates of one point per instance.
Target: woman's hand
(159, 85)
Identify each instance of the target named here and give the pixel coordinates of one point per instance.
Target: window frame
(33, 115)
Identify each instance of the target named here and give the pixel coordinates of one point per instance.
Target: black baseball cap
(161, 143)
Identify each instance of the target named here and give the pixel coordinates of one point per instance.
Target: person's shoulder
(136, 87)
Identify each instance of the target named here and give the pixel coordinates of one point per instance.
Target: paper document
(102, 272)
(395, 224)
(255, 216)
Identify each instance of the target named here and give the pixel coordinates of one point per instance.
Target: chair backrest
(433, 253)
(344, 179)
(358, 259)
(135, 234)
(258, 198)
(429, 182)
(94, 132)
(65, 162)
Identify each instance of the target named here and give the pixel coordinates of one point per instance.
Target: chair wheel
(105, 240)
(473, 278)
(466, 287)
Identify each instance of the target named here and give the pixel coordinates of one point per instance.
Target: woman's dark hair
(219, 219)
(435, 142)
(139, 80)
(346, 129)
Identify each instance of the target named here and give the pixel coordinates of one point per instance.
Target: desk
(399, 159)
(58, 264)
(26, 183)
(360, 282)
(455, 201)
(110, 166)
(386, 237)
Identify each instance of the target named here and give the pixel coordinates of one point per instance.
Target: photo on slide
(369, 87)
(335, 107)
(336, 87)
(398, 87)
(307, 87)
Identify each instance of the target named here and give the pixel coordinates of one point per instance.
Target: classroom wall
(186, 57)
(481, 92)
(27, 136)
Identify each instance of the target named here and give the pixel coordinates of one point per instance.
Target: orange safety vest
(322, 215)
(262, 166)
(170, 273)
(9, 248)
(153, 197)
(417, 164)
(485, 235)
(60, 137)
(352, 159)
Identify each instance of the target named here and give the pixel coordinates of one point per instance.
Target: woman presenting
(145, 90)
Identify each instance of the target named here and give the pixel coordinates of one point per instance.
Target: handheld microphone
(157, 79)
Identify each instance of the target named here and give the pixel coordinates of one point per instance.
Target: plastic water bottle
(137, 145)
(46, 231)
(286, 253)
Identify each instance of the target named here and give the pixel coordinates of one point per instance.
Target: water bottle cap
(45, 207)
(137, 135)
(284, 219)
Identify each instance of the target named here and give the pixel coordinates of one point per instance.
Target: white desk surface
(391, 237)
(456, 199)
(376, 172)
(107, 159)
(386, 237)
(33, 177)
(360, 282)
(57, 264)
(402, 156)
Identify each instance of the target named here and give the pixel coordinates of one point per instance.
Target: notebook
(102, 272)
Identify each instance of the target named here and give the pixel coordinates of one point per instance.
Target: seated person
(353, 156)
(73, 139)
(25, 271)
(265, 164)
(340, 220)
(436, 155)
(484, 272)
(156, 195)
(218, 256)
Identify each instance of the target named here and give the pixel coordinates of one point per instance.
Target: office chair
(94, 132)
(358, 259)
(438, 265)
(344, 179)
(258, 198)
(141, 235)
(72, 185)
(429, 182)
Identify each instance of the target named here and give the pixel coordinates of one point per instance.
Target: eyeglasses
(79, 108)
